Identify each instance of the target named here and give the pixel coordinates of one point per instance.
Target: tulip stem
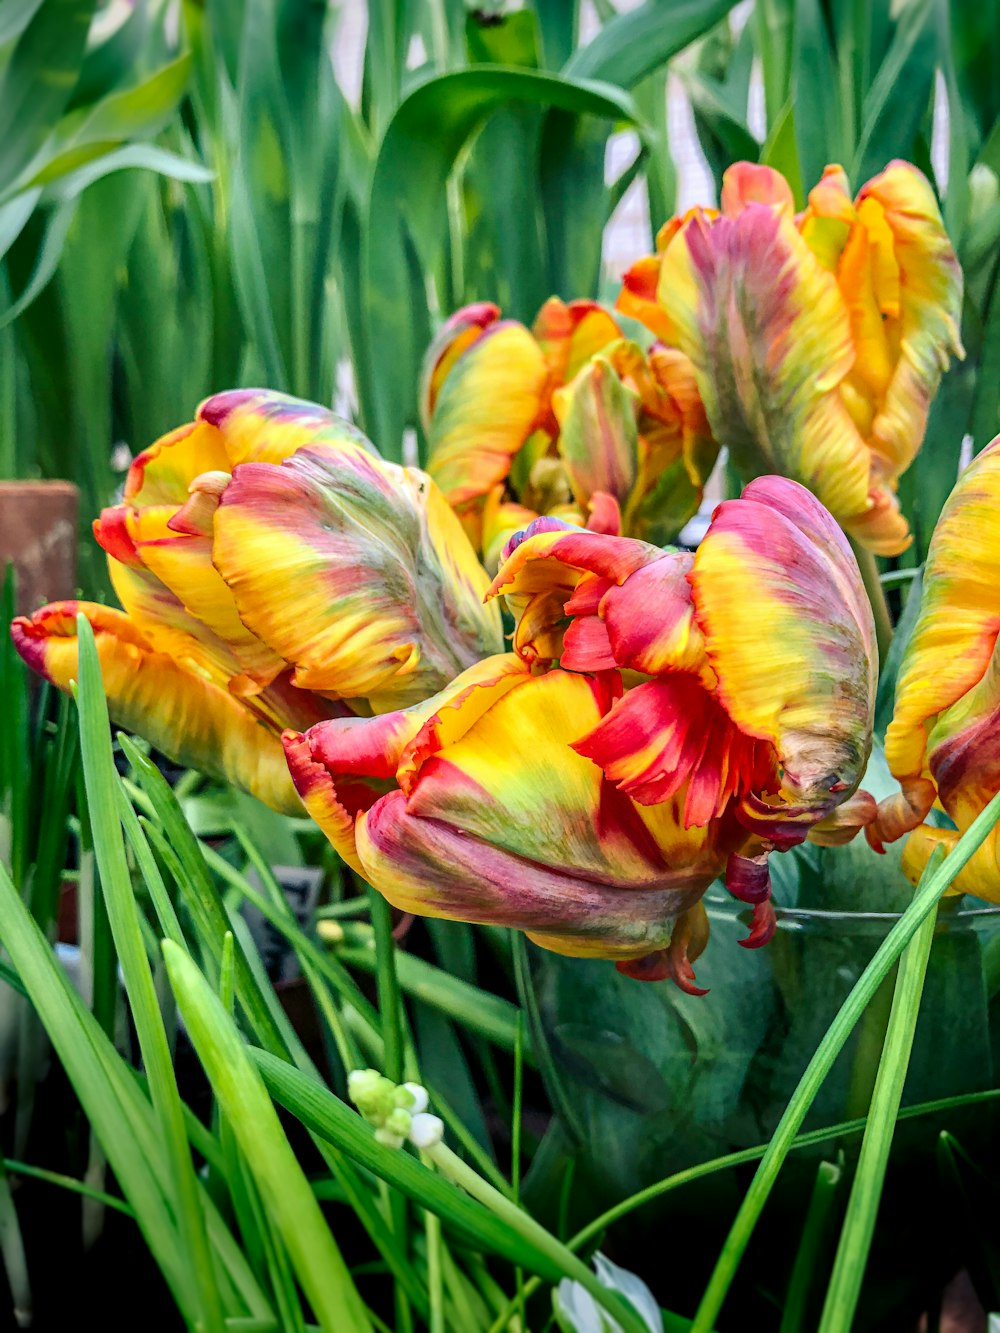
(876, 595)
(460, 1173)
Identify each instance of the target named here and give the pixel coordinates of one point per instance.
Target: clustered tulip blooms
(318, 626)
(570, 420)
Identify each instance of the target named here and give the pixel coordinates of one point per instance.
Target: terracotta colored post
(38, 533)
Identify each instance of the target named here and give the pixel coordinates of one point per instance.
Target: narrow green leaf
(102, 784)
(135, 113)
(933, 884)
(897, 100)
(38, 79)
(636, 43)
(817, 133)
(318, 1262)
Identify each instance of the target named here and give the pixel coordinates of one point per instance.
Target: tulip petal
(194, 722)
(533, 837)
(387, 593)
(598, 437)
(161, 474)
(792, 660)
(455, 335)
(485, 410)
(921, 312)
(341, 766)
(183, 564)
(767, 331)
(570, 334)
(650, 619)
(953, 641)
(428, 867)
(669, 737)
(485, 786)
(261, 426)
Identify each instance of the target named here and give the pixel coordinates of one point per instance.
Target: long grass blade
(934, 882)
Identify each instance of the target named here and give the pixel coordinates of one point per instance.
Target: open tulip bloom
(664, 719)
(818, 339)
(273, 571)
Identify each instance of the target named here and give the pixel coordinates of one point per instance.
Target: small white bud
(426, 1131)
(420, 1099)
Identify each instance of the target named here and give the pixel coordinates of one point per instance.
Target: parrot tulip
(943, 743)
(664, 719)
(817, 340)
(570, 419)
(273, 571)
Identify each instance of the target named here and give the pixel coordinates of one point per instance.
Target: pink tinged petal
(586, 646)
(748, 183)
(604, 514)
(669, 737)
(687, 943)
(612, 558)
(791, 652)
(457, 333)
(748, 878)
(650, 619)
(377, 613)
(768, 333)
(262, 426)
(439, 871)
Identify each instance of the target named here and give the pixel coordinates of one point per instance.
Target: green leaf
(897, 100)
(102, 784)
(637, 43)
(814, 67)
(236, 1083)
(866, 1193)
(419, 150)
(135, 113)
(38, 79)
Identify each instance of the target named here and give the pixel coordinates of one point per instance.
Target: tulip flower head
(664, 719)
(273, 571)
(943, 743)
(569, 419)
(817, 340)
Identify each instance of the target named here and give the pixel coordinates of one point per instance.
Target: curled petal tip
(763, 924)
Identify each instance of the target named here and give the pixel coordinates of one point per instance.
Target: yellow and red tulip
(570, 419)
(273, 571)
(943, 743)
(818, 340)
(664, 719)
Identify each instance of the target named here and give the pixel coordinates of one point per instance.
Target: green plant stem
(934, 881)
(862, 1208)
(876, 595)
(508, 1212)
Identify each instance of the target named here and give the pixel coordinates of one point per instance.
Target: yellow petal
(194, 722)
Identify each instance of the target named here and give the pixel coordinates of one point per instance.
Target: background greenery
(191, 202)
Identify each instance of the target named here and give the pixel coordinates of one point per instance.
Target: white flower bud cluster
(397, 1111)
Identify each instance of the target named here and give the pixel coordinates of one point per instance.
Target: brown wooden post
(38, 533)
